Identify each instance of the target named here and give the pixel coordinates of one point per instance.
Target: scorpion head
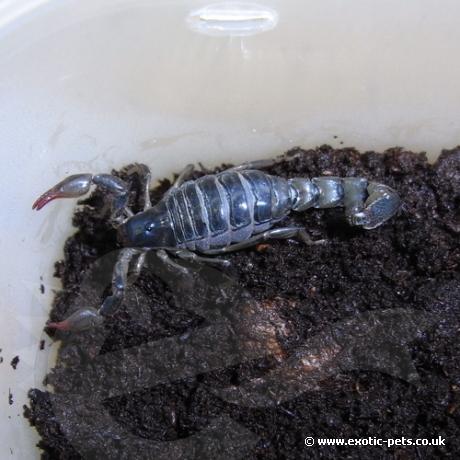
(151, 228)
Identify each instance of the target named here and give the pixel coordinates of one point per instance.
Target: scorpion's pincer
(80, 320)
(71, 187)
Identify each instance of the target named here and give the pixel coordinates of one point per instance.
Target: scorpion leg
(119, 281)
(264, 163)
(145, 176)
(275, 233)
(181, 178)
(135, 271)
(86, 318)
(257, 164)
(79, 184)
(185, 254)
(164, 257)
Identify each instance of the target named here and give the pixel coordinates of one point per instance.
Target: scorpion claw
(43, 200)
(80, 320)
(60, 325)
(71, 187)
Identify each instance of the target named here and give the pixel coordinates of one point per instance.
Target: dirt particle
(262, 247)
(453, 408)
(14, 362)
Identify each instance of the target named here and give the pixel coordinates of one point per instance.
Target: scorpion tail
(367, 204)
(381, 204)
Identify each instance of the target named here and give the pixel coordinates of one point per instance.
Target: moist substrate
(401, 379)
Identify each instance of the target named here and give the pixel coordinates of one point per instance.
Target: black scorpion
(215, 214)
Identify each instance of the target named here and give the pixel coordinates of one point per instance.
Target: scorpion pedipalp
(71, 187)
(79, 184)
(80, 320)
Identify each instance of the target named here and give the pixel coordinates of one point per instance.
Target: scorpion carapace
(216, 214)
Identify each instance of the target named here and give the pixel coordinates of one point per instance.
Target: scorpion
(214, 214)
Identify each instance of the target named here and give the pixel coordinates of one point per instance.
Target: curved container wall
(86, 86)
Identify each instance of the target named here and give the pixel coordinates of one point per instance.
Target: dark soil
(365, 330)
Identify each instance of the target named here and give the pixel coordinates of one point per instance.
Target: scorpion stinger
(381, 204)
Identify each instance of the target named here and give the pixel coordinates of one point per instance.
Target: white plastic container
(88, 85)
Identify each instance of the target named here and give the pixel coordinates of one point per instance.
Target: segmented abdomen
(217, 210)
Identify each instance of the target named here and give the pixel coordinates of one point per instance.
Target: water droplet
(236, 19)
